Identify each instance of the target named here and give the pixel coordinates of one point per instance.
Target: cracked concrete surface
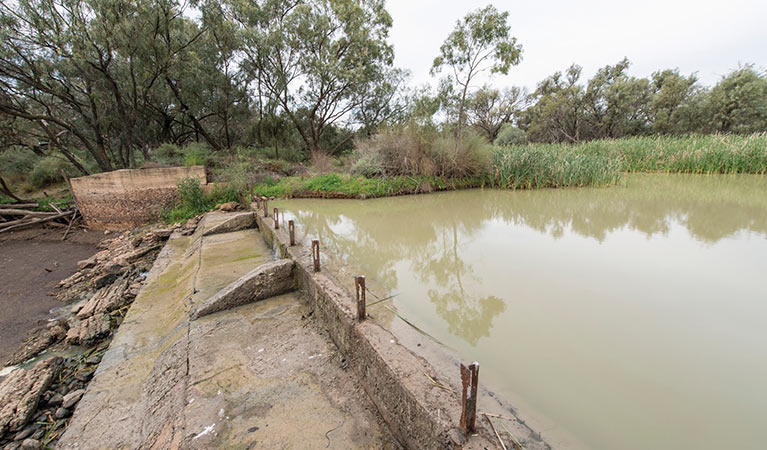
(257, 376)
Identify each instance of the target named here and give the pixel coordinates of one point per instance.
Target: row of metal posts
(469, 374)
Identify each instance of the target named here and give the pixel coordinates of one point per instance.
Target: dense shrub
(192, 200)
(47, 171)
(167, 154)
(510, 135)
(470, 158)
(196, 154)
(413, 150)
(17, 162)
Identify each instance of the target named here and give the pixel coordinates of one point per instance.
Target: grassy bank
(336, 185)
(536, 166)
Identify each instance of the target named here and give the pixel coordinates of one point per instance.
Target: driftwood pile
(16, 216)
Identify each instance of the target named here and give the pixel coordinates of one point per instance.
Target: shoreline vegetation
(376, 171)
(597, 163)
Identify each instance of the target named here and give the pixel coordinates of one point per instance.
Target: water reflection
(430, 234)
(624, 315)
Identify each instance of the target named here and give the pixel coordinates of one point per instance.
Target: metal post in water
(316, 254)
(292, 230)
(469, 380)
(359, 286)
(276, 219)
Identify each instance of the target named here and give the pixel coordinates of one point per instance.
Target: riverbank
(48, 373)
(536, 166)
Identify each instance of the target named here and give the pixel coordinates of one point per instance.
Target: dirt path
(29, 270)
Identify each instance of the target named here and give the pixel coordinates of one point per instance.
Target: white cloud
(703, 36)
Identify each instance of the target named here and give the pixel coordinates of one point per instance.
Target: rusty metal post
(276, 219)
(266, 208)
(316, 254)
(469, 380)
(359, 286)
(292, 230)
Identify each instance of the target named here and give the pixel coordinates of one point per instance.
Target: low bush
(192, 200)
(415, 150)
(48, 170)
(510, 135)
(196, 154)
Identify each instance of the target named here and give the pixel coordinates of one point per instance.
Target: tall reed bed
(552, 166)
(699, 154)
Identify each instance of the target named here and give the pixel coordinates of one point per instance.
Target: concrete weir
(226, 348)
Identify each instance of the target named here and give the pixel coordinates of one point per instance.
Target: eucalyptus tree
(114, 77)
(558, 113)
(616, 104)
(481, 41)
(314, 58)
(674, 102)
(489, 109)
(383, 102)
(738, 103)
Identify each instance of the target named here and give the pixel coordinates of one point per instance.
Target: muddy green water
(631, 317)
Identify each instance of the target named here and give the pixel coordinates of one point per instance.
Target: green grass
(349, 186)
(193, 200)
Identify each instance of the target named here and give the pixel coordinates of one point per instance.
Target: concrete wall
(420, 414)
(130, 197)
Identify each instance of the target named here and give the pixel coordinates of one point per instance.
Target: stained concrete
(267, 280)
(168, 382)
(128, 198)
(281, 387)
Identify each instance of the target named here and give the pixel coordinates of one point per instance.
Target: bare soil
(29, 271)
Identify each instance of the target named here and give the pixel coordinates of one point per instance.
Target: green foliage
(738, 103)
(482, 40)
(489, 109)
(510, 135)
(686, 154)
(536, 167)
(337, 185)
(196, 154)
(167, 153)
(17, 162)
(557, 165)
(47, 171)
(193, 201)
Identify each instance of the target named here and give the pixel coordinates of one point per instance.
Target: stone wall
(130, 197)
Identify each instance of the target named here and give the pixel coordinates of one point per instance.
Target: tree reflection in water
(430, 234)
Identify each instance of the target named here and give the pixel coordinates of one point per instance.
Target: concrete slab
(259, 375)
(250, 390)
(154, 336)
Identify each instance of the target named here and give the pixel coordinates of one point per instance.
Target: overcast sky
(703, 36)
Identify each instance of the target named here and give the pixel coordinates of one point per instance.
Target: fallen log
(18, 205)
(22, 212)
(32, 222)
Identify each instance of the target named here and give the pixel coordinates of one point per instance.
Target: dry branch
(31, 222)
